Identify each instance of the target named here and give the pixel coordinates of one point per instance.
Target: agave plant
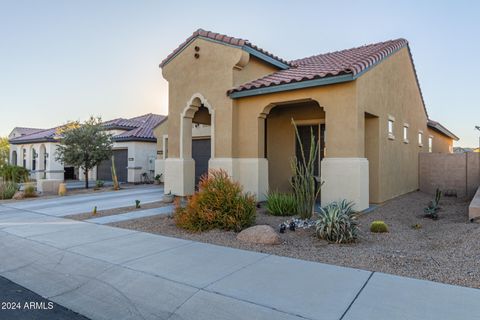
(337, 223)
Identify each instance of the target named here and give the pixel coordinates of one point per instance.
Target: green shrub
(29, 190)
(281, 204)
(137, 204)
(99, 184)
(337, 223)
(219, 203)
(7, 189)
(378, 227)
(14, 173)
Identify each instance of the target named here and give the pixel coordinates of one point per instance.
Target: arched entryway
(197, 138)
(281, 144)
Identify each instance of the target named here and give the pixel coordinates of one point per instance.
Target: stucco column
(344, 170)
(180, 172)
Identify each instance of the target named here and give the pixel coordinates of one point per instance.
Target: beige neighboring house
(134, 149)
(364, 106)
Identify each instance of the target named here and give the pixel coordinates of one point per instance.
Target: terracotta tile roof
(351, 61)
(237, 42)
(144, 131)
(440, 128)
(137, 129)
(24, 131)
(41, 135)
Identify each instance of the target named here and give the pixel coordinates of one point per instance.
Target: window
(405, 133)
(391, 121)
(430, 144)
(420, 138)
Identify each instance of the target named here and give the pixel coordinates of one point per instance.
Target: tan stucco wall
(218, 69)
(440, 142)
(390, 89)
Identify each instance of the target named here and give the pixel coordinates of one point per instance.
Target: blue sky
(66, 60)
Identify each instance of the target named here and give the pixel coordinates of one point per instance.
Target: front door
(305, 132)
(201, 151)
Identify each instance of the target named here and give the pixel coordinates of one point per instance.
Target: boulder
(19, 195)
(261, 234)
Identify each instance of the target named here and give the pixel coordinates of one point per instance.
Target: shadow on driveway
(19, 303)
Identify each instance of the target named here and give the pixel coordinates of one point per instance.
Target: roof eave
(441, 129)
(292, 86)
(260, 55)
(31, 141)
(134, 139)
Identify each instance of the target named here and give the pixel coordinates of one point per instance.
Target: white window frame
(406, 126)
(420, 138)
(430, 143)
(391, 127)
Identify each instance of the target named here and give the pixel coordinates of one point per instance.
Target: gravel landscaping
(446, 250)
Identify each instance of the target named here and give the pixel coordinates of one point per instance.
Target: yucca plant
(337, 223)
(281, 204)
(433, 207)
(304, 182)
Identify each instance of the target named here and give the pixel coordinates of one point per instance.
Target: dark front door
(104, 169)
(305, 132)
(201, 151)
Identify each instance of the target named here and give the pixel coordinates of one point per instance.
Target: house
(364, 106)
(134, 150)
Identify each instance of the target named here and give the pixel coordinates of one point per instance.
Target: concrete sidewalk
(108, 273)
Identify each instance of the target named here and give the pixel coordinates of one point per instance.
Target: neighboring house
(463, 150)
(134, 149)
(364, 106)
(201, 148)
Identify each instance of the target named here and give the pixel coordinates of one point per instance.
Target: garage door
(104, 171)
(201, 154)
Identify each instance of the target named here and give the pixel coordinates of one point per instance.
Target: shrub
(433, 207)
(7, 189)
(337, 223)
(378, 227)
(137, 204)
(99, 184)
(281, 204)
(14, 173)
(219, 203)
(29, 190)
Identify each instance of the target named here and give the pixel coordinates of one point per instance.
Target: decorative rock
(261, 234)
(168, 198)
(19, 195)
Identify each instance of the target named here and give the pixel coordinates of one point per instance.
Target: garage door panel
(104, 171)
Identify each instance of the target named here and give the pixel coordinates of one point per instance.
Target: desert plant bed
(111, 212)
(444, 250)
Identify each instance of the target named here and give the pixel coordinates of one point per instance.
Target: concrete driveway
(64, 206)
(109, 273)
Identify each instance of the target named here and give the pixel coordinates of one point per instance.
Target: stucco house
(134, 149)
(364, 105)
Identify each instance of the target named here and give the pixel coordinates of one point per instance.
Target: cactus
(116, 186)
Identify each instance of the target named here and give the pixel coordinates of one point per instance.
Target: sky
(67, 60)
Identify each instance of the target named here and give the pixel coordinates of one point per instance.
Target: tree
(84, 145)
(4, 151)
